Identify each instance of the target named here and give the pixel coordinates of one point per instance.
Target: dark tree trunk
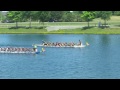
(16, 24)
(30, 23)
(88, 23)
(105, 23)
(43, 24)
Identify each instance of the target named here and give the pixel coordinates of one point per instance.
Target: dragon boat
(17, 50)
(74, 46)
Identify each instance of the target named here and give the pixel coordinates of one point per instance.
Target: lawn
(92, 30)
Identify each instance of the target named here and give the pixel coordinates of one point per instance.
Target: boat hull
(20, 52)
(75, 46)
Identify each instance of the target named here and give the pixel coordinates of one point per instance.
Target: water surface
(100, 60)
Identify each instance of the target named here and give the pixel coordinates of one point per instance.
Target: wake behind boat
(75, 46)
(63, 44)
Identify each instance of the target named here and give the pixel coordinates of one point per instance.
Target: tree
(68, 16)
(97, 14)
(43, 16)
(88, 16)
(28, 15)
(2, 16)
(14, 15)
(77, 16)
(117, 13)
(57, 15)
(105, 15)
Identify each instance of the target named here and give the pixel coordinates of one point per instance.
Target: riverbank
(93, 30)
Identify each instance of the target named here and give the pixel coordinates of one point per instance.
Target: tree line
(58, 16)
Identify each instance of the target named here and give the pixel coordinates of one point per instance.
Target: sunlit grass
(89, 31)
(64, 31)
(21, 31)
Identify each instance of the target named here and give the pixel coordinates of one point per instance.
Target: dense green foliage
(43, 16)
(59, 16)
(27, 16)
(2, 16)
(15, 16)
(105, 15)
(88, 16)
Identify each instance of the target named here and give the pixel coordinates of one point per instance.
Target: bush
(41, 27)
(7, 21)
(17, 27)
(24, 27)
(86, 27)
(105, 26)
(13, 28)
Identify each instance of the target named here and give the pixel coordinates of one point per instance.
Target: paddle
(87, 43)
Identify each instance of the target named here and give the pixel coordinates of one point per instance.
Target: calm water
(99, 60)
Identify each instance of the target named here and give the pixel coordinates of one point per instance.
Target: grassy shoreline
(65, 31)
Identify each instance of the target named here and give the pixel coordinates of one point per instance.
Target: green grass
(22, 31)
(71, 31)
(89, 31)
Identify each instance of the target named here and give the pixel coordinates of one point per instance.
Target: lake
(99, 60)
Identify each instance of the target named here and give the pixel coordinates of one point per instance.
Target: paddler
(80, 43)
(43, 50)
(87, 43)
(35, 48)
